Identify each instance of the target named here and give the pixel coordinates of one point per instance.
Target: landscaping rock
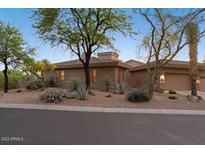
(108, 95)
(19, 90)
(194, 98)
(70, 95)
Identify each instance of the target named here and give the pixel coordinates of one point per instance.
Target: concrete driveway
(187, 92)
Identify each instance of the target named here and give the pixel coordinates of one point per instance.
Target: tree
(81, 30)
(13, 52)
(38, 68)
(165, 38)
(192, 33)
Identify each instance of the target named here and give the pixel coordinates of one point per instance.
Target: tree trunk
(193, 89)
(193, 68)
(154, 82)
(6, 80)
(87, 76)
(151, 85)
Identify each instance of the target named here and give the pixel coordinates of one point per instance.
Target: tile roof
(133, 63)
(94, 61)
(171, 64)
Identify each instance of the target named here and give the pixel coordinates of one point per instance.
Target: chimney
(108, 55)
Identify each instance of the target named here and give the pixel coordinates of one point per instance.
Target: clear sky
(20, 18)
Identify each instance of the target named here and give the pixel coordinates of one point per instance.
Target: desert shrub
(82, 92)
(172, 97)
(73, 86)
(106, 84)
(172, 92)
(121, 88)
(51, 82)
(51, 96)
(33, 85)
(137, 95)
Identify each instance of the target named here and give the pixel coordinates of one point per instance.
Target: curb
(101, 109)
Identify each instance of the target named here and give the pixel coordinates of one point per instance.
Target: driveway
(24, 126)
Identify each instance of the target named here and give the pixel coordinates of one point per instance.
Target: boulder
(193, 98)
(70, 95)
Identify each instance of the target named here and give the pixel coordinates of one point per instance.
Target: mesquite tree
(13, 52)
(165, 38)
(192, 33)
(82, 31)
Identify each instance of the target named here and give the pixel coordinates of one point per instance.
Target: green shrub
(82, 92)
(74, 85)
(172, 92)
(172, 97)
(107, 84)
(137, 95)
(51, 96)
(33, 85)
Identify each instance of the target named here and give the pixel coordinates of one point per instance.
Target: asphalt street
(24, 126)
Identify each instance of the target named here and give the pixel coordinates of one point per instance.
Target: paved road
(20, 126)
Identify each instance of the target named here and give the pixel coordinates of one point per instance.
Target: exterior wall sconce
(198, 81)
(162, 78)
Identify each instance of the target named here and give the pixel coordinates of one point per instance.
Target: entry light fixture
(198, 81)
(162, 78)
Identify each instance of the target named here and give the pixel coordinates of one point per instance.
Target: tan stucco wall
(78, 74)
(177, 79)
(138, 79)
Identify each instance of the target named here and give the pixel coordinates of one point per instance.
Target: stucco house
(106, 65)
(174, 75)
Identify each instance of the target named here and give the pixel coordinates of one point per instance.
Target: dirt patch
(99, 99)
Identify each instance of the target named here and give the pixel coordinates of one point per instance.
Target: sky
(127, 47)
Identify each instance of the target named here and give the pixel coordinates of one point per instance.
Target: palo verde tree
(38, 68)
(165, 38)
(13, 52)
(82, 31)
(192, 33)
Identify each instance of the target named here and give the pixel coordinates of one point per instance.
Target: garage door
(202, 84)
(176, 81)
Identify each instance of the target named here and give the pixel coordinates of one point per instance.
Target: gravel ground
(160, 101)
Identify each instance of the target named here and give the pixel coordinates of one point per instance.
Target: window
(94, 76)
(121, 75)
(62, 75)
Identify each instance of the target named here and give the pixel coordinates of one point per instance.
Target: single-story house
(174, 75)
(106, 65)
